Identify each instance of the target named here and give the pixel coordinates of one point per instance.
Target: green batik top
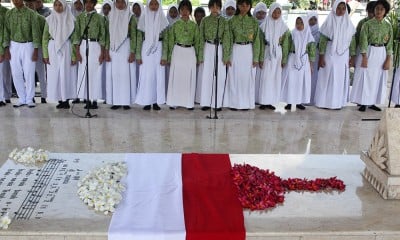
(45, 43)
(3, 11)
(163, 37)
(283, 42)
(358, 30)
(96, 29)
(21, 25)
(208, 32)
(376, 32)
(323, 42)
(42, 23)
(311, 49)
(245, 29)
(183, 32)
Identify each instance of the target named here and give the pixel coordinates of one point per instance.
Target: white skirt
(369, 84)
(332, 90)
(151, 85)
(296, 84)
(239, 91)
(207, 79)
(95, 71)
(182, 77)
(271, 79)
(61, 75)
(396, 87)
(199, 74)
(121, 78)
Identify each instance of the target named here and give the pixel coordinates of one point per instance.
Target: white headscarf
(61, 25)
(260, 7)
(170, 19)
(152, 24)
(273, 30)
(339, 30)
(119, 24)
(73, 10)
(315, 28)
(141, 9)
(109, 2)
(229, 3)
(300, 40)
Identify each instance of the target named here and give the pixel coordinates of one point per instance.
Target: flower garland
(5, 221)
(261, 189)
(102, 189)
(29, 156)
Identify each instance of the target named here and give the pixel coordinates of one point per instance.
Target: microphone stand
(216, 43)
(86, 34)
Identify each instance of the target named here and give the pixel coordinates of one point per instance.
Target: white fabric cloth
(207, 97)
(239, 91)
(199, 74)
(75, 12)
(315, 28)
(369, 84)
(170, 19)
(118, 25)
(182, 77)
(332, 90)
(61, 25)
(23, 70)
(119, 92)
(61, 74)
(152, 207)
(260, 7)
(152, 24)
(228, 3)
(273, 30)
(95, 72)
(339, 30)
(151, 83)
(296, 82)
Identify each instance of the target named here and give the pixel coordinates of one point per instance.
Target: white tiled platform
(357, 213)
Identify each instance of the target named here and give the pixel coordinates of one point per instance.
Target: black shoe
(126, 107)
(190, 109)
(94, 105)
(43, 100)
(288, 106)
(233, 109)
(2, 104)
(244, 109)
(395, 106)
(373, 107)
(8, 101)
(300, 106)
(219, 109)
(76, 100)
(60, 105)
(269, 106)
(172, 108)
(362, 108)
(156, 107)
(115, 107)
(262, 107)
(66, 105)
(19, 105)
(205, 108)
(147, 107)
(33, 100)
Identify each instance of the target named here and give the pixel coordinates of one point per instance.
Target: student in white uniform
(152, 56)
(57, 53)
(260, 13)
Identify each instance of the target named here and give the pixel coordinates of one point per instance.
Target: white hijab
(260, 7)
(339, 30)
(229, 3)
(170, 19)
(141, 9)
(109, 2)
(300, 40)
(119, 25)
(61, 25)
(73, 10)
(152, 24)
(315, 28)
(273, 30)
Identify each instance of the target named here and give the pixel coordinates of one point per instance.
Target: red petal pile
(260, 189)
